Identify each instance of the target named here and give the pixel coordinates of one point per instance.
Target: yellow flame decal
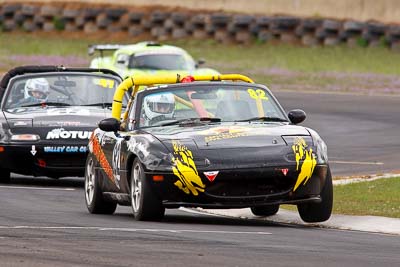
(185, 169)
(309, 162)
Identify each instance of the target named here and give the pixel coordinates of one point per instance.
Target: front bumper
(44, 160)
(243, 188)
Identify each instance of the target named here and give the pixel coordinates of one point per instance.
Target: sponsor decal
(221, 133)
(64, 123)
(20, 123)
(116, 162)
(101, 157)
(68, 149)
(211, 175)
(185, 169)
(305, 161)
(138, 148)
(285, 171)
(61, 133)
(68, 111)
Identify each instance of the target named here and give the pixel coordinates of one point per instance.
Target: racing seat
(233, 110)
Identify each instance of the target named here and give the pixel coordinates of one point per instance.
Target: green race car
(147, 58)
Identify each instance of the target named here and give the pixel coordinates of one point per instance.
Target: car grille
(250, 184)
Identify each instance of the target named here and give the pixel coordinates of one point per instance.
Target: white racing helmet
(37, 88)
(159, 105)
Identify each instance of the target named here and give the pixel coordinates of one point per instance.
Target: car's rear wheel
(145, 204)
(95, 202)
(319, 212)
(265, 210)
(5, 176)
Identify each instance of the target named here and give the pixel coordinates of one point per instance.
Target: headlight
(289, 139)
(25, 137)
(322, 149)
(314, 140)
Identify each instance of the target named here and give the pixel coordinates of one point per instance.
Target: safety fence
(166, 23)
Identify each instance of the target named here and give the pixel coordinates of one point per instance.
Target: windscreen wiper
(149, 68)
(201, 120)
(55, 104)
(101, 104)
(264, 118)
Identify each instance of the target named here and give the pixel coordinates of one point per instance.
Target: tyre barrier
(162, 24)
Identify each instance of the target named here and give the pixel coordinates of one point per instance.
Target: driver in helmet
(36, 91)
(158, 107)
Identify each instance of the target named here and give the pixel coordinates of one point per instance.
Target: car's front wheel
(265, 210)
(5, 176)
(145, 204)
(319, 212)
(95, 202)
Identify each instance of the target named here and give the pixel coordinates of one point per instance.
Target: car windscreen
(60, 89)
(160, 62)
(220, 103)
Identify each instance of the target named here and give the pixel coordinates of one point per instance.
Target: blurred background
(288, 44)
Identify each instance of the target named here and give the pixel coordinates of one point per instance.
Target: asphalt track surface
(44, 222)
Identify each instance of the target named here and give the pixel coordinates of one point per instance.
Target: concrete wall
(387, 11)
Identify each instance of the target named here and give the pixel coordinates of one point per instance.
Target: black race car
(47, 116)
(205, 142)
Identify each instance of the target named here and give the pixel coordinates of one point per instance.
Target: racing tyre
(4, 176)
(145, 204)
(265, 211)
(319, 212)
(93, 195)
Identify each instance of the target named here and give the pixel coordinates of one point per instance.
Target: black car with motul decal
(205, 141)
(47, 116)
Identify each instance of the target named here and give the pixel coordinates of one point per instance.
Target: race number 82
(257, 94)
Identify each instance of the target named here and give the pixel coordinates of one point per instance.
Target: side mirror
(296, 116)
(122, 62)
(200, 62)
(110, 125)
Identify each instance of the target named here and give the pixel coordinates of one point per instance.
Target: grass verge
(281, 66)
(378, 198)
(232, 56)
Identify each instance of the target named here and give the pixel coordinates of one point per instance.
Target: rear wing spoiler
(103, 47)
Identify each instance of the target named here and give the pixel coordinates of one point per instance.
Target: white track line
(129, 229)
(37, 188)
(364, 179)
(356, 162)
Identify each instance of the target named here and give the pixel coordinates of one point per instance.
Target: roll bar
(143, 80)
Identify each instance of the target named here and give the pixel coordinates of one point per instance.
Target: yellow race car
(147, 58)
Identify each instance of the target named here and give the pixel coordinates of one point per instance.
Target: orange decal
(101, 158)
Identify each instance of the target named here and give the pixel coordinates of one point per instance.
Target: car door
(111, 144)
(115, 146)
